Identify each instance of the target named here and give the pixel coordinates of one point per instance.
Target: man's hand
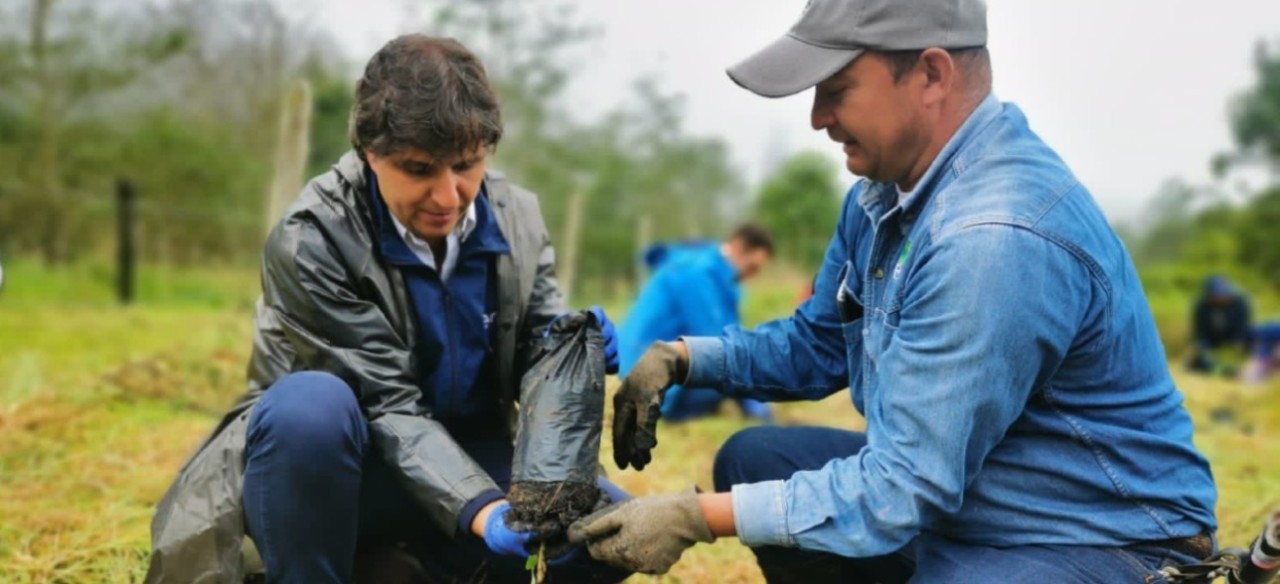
(500, 538)
(610, 334)
(638, 403)
(647, 534)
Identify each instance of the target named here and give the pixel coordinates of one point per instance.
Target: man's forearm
(682, 348)
(717, 509)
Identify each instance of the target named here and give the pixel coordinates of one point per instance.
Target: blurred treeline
(1230, 227)
(181, 100)
(184, 98)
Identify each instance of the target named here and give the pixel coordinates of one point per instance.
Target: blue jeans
(314, 490)
(771, 453)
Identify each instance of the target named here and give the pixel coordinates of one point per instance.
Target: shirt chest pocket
(889, 286)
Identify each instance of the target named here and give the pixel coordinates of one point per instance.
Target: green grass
(99, 405)
(29, 284)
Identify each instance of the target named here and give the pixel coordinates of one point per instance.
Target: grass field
(99, 405)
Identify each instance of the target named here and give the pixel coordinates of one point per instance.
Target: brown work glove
(638, 403)
(646, 534)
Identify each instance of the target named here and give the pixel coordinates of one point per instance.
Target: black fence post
(124, 241)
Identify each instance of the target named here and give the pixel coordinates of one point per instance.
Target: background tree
(634, 161)
(1255, 116)
(800, 202)
(1258, 247)
(58, 74)
(333, 96)
(1195, 230)
(180, 97)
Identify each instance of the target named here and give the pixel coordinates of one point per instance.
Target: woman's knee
(308, 409)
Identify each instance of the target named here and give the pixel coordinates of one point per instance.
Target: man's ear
(940, 75)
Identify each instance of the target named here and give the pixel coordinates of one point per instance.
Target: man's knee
(308, 411)
(739, 459)
(767, 453)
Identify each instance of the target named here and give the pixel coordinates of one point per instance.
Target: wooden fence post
(567, 269)
(124, 241)
(292, 147)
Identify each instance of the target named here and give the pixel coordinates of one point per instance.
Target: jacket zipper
(452, 349)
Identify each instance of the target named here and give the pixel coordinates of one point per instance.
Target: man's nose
(819, 114)
(445, 192)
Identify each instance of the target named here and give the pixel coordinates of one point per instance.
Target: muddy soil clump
(550, 508)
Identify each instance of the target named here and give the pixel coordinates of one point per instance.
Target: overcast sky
(1129, 92)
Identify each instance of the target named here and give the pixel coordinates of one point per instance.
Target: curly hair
(425, 93)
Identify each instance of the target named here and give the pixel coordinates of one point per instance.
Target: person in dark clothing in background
(694, 290)
(1264, 356)
(1220, 320)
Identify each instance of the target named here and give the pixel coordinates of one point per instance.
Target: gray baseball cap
(832, 33)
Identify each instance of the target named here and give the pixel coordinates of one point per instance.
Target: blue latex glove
(610, 340)
(500, 538)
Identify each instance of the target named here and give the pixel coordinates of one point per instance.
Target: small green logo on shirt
(902, 259)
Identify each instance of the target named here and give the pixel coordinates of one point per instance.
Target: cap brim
(789, 66)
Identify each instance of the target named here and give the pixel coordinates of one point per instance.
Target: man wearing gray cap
(1021, 422)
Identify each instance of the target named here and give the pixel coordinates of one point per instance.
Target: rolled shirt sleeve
(760, 514)
(706, 361)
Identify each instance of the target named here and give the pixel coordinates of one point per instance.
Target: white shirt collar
(462, 230)
(453, 241)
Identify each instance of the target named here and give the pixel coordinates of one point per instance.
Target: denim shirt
(1006, 361)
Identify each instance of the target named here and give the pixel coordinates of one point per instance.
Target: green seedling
(537, 565)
